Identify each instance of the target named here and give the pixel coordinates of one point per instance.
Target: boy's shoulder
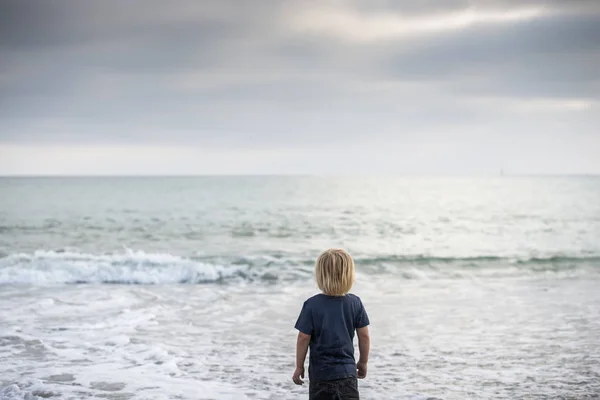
(314, 298)
(353, 296)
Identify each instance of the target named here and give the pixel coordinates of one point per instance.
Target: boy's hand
(298, 376)
(362, 370)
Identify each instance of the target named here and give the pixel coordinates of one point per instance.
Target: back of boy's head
(335, 272)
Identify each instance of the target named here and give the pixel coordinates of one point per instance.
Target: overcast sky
(317, 87)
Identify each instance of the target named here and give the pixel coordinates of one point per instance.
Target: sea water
(188, 288)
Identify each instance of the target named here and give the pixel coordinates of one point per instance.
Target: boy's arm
(301, 350)
(364, 345)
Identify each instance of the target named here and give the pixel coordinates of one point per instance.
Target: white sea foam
(13, 392)
(237, 341)
(84, 342)
(51, 267)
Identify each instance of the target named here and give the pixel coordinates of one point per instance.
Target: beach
(189, 288)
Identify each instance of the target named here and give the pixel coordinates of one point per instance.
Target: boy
(327, 323)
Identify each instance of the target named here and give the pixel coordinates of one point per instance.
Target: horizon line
(323, 175)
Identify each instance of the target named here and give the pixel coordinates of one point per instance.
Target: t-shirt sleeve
(361, 318)
(305, 322)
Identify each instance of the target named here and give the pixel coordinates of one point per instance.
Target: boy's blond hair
(335, 272)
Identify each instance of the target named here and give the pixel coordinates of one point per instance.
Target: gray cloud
(233, 74)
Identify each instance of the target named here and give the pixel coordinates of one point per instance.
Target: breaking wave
(477, 260)
(47, 267)
(130, 267)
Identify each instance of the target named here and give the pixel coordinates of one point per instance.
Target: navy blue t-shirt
(331, 322)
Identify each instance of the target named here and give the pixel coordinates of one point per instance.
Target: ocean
(189, 288)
